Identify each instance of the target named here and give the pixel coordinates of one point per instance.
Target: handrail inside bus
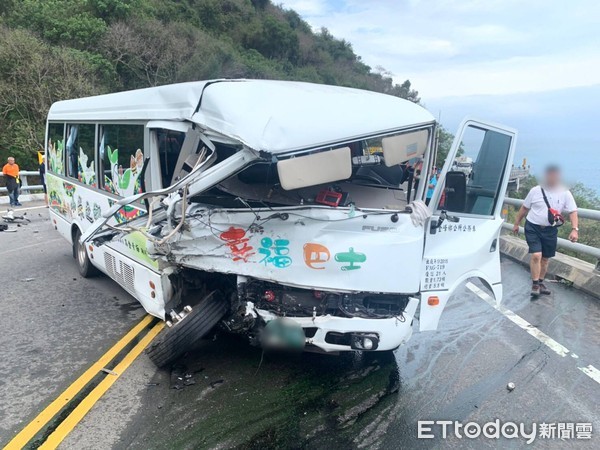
(233, 163)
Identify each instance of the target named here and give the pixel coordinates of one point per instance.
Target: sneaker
(18, 204)
(544, 290)
(535, 290)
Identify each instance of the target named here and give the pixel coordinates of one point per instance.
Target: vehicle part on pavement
(10, 217)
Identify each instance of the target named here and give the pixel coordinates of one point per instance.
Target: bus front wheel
(86, 269)
(182, 336)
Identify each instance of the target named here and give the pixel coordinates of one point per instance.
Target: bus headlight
(364, 341)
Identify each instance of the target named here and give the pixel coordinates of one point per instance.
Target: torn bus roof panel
(170, 102)
(283, 116)
(271, 116)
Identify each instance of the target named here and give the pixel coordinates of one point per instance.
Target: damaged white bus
(287, 212)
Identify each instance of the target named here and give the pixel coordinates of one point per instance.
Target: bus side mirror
(456, 191)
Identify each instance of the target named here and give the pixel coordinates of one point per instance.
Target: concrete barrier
(582, 274)
(4, 200)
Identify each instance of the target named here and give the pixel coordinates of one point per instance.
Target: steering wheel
(372, 179)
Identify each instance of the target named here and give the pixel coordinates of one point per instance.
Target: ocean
(578, 167)
(555, 127)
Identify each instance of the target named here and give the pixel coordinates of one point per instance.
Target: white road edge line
(32, 245)
(591, 372)
(533, 331)
(29, 208)
(556, 347)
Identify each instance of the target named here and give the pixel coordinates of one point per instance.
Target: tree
(149, 53)
(445, 140)
(405, 90)
(66, 22)
(590, 230)
(274, 39)
(113, 10)
(385, 83)
(146, 52)
(58, 49)
(33, 75)
(260, 4)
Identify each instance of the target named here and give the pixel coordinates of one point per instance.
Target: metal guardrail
(25, 186)
(562, 243)
(591, 214)
(581, 212)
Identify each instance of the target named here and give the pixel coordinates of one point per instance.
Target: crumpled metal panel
(320, 248)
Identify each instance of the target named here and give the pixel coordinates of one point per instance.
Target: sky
(533, 64)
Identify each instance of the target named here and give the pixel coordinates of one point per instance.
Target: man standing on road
(543, 207)
(431, 187)
(11, 173)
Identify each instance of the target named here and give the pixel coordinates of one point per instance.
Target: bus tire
(84, 265)
(182, 336)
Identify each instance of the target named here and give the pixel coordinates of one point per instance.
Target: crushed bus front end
(294, 214)
(325, 270)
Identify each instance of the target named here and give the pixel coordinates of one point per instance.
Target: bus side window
(80, 153)
(121, 150)
(56, 148)
(169, 148)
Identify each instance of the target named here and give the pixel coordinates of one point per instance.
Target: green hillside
(59, 49)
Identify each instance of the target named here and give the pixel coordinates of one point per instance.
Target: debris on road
(108, 371)
(27, 280)
(216, 383)
(188, 380)
(181, 377)
(10, 217)
(510, 386)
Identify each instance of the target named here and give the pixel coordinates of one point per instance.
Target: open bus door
(461, 239)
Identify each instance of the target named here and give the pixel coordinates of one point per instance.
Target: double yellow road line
(67, 425)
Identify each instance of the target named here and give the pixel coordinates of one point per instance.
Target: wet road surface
(56, 324)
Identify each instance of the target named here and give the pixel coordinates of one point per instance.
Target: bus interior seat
(386, 176)
(456, 191)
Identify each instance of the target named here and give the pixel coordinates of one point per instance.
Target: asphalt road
(55, 324)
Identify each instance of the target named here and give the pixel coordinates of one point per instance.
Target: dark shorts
(541, 239)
